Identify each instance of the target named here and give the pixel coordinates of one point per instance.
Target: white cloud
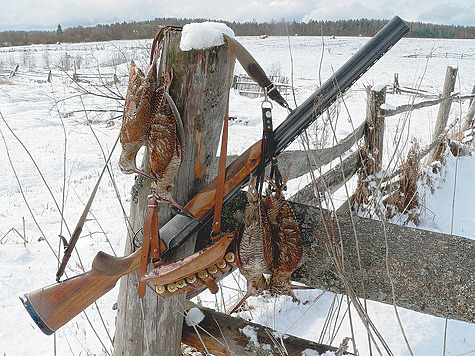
(448, 13)
(47, 14)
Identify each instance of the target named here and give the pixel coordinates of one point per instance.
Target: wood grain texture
(152, 326)
(432, 272)
(222, 335)
(60, 302)
(443, 113)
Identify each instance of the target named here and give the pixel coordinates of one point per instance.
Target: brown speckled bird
(143, 99)
(165, 146)
(287, 241)
(271, 242)
(255, 250)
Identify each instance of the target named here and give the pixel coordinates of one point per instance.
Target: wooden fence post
(471, 99)
(468, 121)
(372, 155)
(13, 72)
(443, 113)
(153, 325)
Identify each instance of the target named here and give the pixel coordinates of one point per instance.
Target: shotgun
(53, 306)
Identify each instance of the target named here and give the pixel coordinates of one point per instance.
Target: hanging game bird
(287, 241)
(165, 146)
(143, 99)
(271, 241)
(151, 118)
(255, 247)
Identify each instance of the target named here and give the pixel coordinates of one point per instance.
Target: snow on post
(194, 317)
(204, 35)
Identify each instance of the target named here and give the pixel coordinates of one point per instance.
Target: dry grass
(405, 200)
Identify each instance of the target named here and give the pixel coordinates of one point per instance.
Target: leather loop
(255, 71)
(147, 228)
(157, 43)
(155, 242)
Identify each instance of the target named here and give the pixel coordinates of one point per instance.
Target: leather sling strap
(255, 71)
(268, 149)
(147, 229)
(268, 133)
(157, 43)
(77, 231)
(156, 245)
(158, 38)
(218, 207)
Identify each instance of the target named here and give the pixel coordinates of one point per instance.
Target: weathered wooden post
(443, 113)
(468, 121)
(372, 155)
(153, 325)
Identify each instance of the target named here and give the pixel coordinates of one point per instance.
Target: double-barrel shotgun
(53, 306)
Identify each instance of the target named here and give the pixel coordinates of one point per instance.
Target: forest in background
(147, 29)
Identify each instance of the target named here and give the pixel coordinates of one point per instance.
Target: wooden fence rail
(221, 334)
(432, 272)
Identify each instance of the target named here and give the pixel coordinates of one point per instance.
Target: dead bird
(255, 250)
(143, 99)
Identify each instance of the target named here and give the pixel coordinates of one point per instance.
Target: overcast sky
(47, 14)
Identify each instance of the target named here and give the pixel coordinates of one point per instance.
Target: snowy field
(68, 149)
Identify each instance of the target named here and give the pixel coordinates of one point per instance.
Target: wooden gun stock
(53, 306)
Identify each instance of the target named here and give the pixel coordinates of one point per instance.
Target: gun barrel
(299, 119)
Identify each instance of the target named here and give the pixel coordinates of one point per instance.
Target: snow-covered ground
(47, 118)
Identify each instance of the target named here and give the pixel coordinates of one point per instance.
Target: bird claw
(174, 203)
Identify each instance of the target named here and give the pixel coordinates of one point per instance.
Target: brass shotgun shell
(194, 281)
(230, 258)
(203, 275)
(172, 288)
(184, 285)
(181, 284)
(221, 264)
(214, 271)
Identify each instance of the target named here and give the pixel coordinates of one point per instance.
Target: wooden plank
(330, 181)
(432, 272)
(221, 334)
(297, 159)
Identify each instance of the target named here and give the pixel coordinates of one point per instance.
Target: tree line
(147, 29)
